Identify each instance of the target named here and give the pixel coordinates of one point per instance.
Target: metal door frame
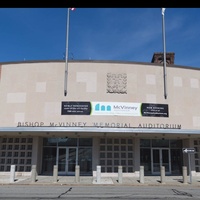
(160, 159)
(66, 172)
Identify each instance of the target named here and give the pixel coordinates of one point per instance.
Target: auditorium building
(113, 114)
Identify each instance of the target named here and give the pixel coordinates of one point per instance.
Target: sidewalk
(90, 180)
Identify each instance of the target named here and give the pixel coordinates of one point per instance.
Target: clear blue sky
(123, 34)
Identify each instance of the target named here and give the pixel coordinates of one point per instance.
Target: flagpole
(164, 53)
(66, 55)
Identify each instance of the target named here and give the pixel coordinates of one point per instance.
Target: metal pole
(66, 55)
(189, 161)
(164, 54)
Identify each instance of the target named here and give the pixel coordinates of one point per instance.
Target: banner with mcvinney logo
(114, 108)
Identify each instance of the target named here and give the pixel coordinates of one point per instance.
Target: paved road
(44, 192)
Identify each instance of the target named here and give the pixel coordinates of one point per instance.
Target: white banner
(116, 108)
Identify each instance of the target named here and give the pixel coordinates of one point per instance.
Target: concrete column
(184, 174)
(33, 173)
(95, 153)
(12, 173)
(162, 174)
(77, 173)
(55, 173)
(98, 174)
(36, 153)
(141, 174)
(136, 154)
(119, 174)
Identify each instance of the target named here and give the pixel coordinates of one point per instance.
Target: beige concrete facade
(31, 96)
(33, 92)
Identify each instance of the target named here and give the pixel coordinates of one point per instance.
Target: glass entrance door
(71, 161)
(160, 157)
(67, 159)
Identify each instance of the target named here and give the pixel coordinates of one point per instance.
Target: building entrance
(160, 157)
(67, 160)
(66, 153)
(155, 153)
